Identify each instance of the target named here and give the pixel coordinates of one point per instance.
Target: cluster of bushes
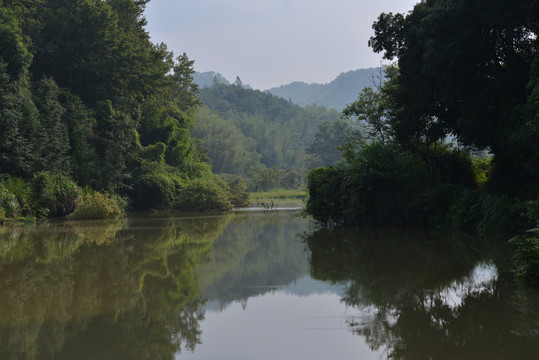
(162, 187)
(55, 195)
(52, 195)
(526, 255)
(443, 188)
(381, 184)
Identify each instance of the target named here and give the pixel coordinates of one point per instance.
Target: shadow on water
(424, 297)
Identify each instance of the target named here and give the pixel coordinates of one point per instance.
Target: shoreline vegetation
(97, 121)
(299, 194)
(448, 137)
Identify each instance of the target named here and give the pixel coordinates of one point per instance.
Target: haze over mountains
(335, 94)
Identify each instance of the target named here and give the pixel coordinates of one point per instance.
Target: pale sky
(268, 43)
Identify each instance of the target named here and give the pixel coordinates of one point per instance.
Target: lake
(257, 285)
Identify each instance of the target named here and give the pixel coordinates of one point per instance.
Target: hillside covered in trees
(257, 135)
(88, 102)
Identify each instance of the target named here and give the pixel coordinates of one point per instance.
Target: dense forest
(258, 136)
(465, 81)
(88, 103)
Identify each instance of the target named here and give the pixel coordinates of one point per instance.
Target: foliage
(325, 201)
(526, 257)
(451, 94)
(478, 84)
(379, 185)
(17, 197)
(238, 196)
(280, 194)
(96, 206)
(85, 95)
(203, 195)
(248, 130)
(153, 191)
(526, 254)
(262, 179)
(54, 194)
(371, 112)
(229, 150)
(449, 207)
(9, 206)
(325, 148)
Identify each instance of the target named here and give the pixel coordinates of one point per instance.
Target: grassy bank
(278, 194)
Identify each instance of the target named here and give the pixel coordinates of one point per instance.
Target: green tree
(116, 146)
(184, 89)
(372, 111)
(470, 83)
(53, 131)
(324, 150)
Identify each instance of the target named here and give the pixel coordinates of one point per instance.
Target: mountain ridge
(335, 94)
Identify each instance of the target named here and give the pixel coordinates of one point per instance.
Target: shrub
(449, 207)
(238, 195)
(9, 206)
(97, 206)
(203, 195)
(21, 192)
(526, 257)
(154, 152)
(54, 195)
(380, 184)
(153, 191)
(324, 204)
(455, 167)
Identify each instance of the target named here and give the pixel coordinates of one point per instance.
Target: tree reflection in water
(95, 290)
(420, 297)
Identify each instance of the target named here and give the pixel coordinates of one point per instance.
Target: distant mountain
(336, 94)
(206, 79)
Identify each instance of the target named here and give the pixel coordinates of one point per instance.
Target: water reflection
(418, 297)
(91, 290)
(257, 253)
(246, 284)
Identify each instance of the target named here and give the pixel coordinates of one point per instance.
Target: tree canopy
(85, 93)
(249, 132)
(468, 69)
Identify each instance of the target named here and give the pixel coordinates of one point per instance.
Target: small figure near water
(268, 205)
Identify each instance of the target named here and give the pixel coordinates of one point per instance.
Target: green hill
(248, 132)
(335, 95)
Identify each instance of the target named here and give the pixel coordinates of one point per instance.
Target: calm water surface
(257, 285)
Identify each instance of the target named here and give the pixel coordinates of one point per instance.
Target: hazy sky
(269, 43)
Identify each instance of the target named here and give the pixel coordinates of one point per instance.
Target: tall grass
(14, 197)
(279, 194)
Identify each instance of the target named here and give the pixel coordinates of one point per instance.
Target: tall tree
(464, 69)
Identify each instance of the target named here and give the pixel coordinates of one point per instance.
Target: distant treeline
(258, 135)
